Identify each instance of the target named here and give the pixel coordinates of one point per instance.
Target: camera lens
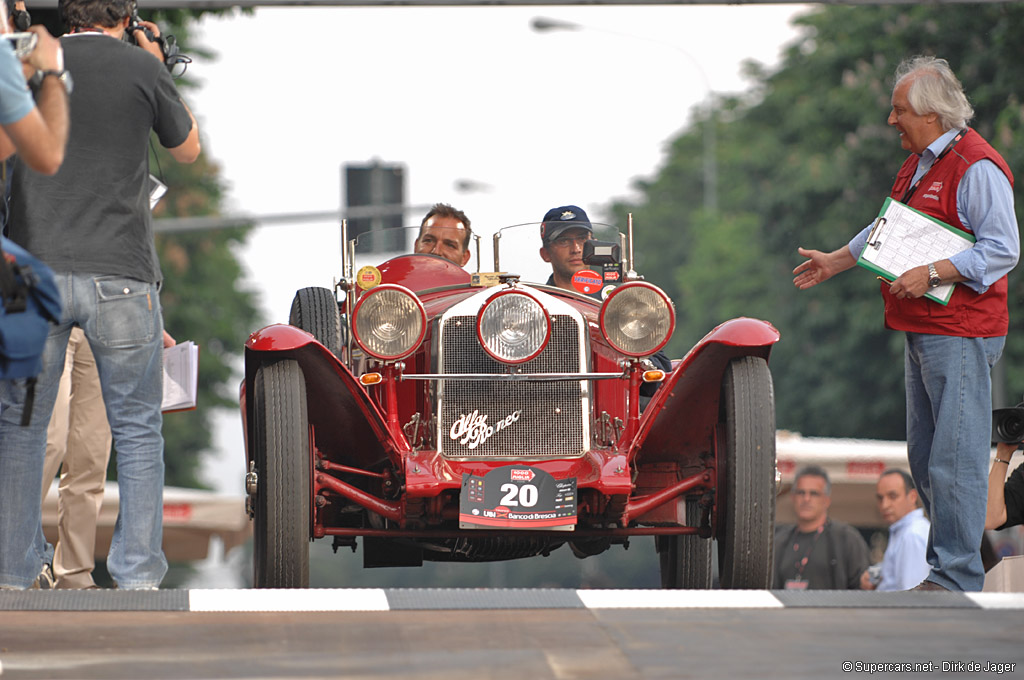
(1008, 425)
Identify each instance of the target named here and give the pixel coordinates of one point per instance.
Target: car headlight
(513, 327)
(637, 319)
(389, 322)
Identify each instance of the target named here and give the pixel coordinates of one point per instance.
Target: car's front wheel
(746, 475)
(282, 456)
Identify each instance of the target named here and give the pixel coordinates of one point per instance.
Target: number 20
(527, 494)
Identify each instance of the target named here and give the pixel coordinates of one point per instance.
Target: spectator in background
(905, 563)
(817, 553)
(953, 175)
(445, 232)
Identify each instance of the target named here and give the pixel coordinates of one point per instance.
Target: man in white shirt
(905, 563)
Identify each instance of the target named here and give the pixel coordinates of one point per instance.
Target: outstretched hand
(811, 271)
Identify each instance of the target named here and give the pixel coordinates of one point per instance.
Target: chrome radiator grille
(526, 420)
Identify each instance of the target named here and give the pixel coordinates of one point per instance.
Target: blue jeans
(949, 429)
(122, 321)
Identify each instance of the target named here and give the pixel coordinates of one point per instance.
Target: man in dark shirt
(817, 553)
(91, 224)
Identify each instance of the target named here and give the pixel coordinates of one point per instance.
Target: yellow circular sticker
(368, 277)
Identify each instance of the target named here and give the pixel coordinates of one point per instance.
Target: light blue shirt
(15, 99)
(905, 564)
(984, 203)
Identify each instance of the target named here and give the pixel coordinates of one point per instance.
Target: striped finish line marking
(424, 599)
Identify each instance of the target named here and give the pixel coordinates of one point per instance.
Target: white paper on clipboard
(157, 189)
(903, 238)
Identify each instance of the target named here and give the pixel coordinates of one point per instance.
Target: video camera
(1008, 424)
(176, 62)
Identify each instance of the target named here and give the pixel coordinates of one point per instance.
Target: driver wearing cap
(563, 233)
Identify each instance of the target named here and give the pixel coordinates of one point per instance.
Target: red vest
(968, 314)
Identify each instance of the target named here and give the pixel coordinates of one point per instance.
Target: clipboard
(181, 377)
(903, 238)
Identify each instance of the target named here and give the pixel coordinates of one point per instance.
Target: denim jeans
(122, 322)
(949, 429)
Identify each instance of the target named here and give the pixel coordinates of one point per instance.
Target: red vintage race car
(446, 416)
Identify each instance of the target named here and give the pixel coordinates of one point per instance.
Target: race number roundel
(368, 277)
(586, 281)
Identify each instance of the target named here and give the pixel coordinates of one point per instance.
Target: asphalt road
(509, 634)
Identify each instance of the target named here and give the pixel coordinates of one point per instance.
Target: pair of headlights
(389, 322)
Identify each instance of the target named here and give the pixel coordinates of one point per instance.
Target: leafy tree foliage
(805, 158)
(203, 297)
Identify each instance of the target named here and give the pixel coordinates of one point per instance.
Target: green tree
(203, 296)
(805, 158)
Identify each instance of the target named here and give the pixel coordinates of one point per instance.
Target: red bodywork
(633, 483)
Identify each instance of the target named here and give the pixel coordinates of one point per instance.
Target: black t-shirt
(93, 216)
(789, 560)
(1013, 492)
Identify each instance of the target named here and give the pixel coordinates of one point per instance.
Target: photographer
(91, 224)
(37, 131)
(1005, 496)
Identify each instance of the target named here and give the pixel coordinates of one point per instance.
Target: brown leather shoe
(929, 585)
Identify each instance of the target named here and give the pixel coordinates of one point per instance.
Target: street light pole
(543, 24)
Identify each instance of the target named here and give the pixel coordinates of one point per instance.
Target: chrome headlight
(637, 319)
(389, 322)
(513, 327)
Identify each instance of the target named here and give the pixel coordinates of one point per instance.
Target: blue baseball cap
(565, 217)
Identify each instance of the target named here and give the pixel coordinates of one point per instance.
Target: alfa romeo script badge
(471, 429)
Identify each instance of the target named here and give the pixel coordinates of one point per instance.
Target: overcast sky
(537, 119)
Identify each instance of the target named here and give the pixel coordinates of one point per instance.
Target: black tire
(282, 455)
(685, 561)
(315, 311)
(746, 475)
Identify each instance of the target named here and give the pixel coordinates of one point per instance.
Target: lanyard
(801, 563)
(910, 192)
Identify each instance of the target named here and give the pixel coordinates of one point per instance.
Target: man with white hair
(956, 177)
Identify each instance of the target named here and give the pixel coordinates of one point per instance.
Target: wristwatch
(63, 76)
(933, 277)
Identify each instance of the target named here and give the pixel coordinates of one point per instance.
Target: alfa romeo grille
(510, 419)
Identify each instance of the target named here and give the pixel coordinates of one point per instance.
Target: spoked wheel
(282, 507)
(315, 311)
(685, 561)
(746, 475)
